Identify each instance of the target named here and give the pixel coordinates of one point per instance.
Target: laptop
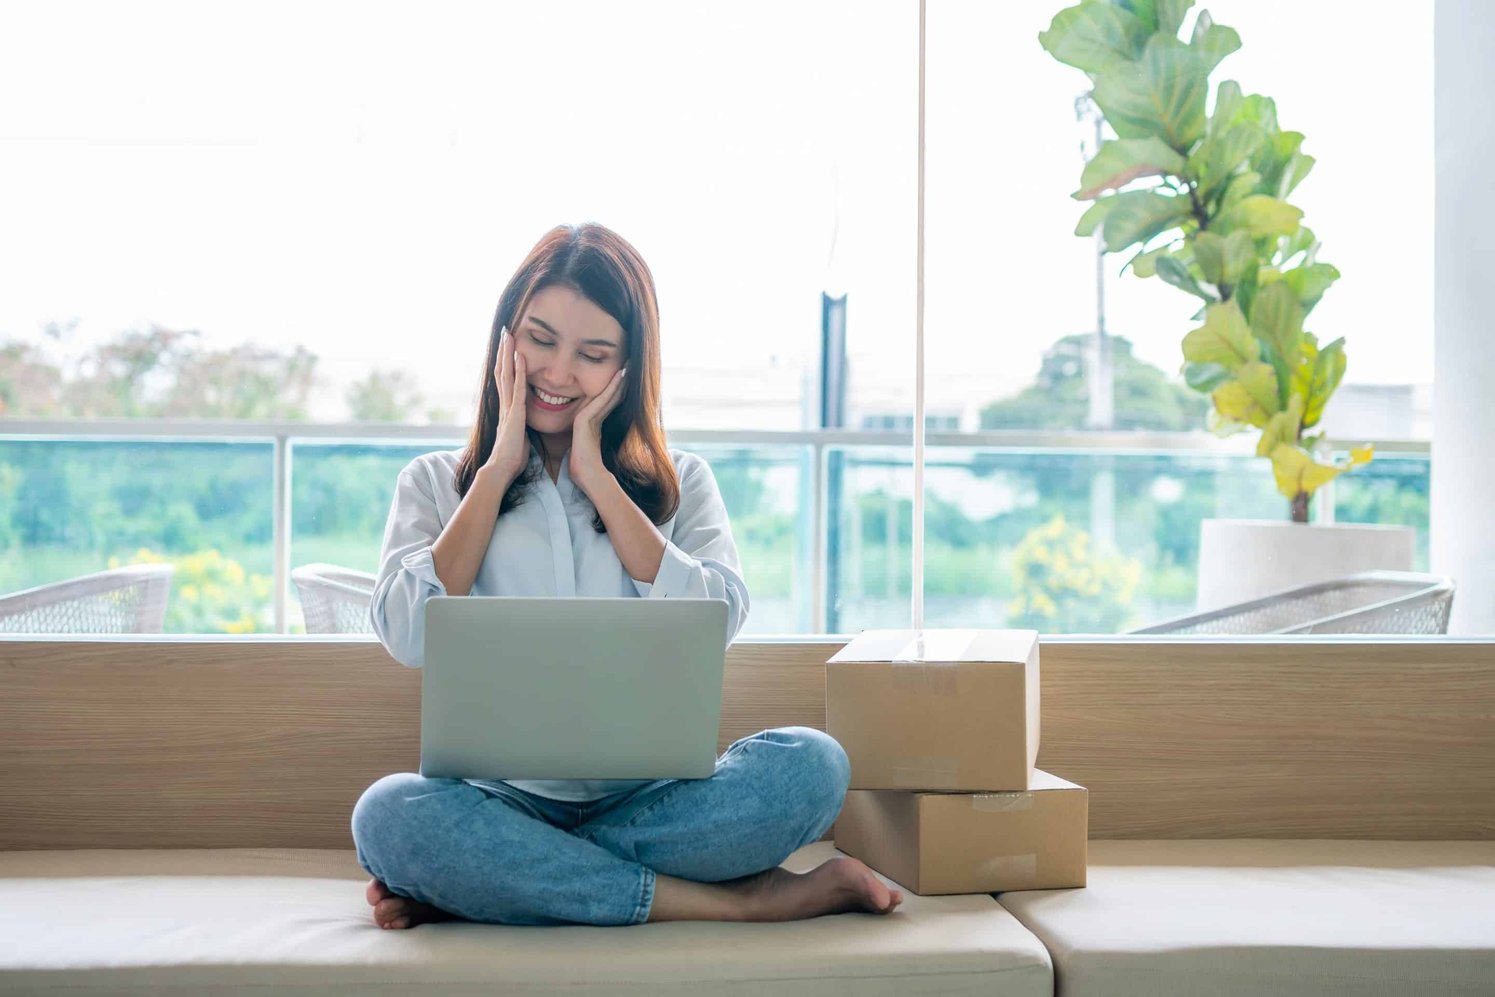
(573, 688)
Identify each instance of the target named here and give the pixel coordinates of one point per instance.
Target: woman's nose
(559, 370)
(543, 363)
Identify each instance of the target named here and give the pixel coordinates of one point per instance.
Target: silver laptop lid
(571, 688)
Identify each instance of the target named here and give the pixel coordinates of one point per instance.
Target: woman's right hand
(458, 552)
(510, 453)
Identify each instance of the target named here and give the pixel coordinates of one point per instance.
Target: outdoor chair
(120, 601)
(334, 600)
(1372, 602)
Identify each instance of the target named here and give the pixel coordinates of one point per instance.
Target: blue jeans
(512, 857)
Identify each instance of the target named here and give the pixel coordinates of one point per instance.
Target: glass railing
(1082, 540)
(71, 507)
(1099, 534)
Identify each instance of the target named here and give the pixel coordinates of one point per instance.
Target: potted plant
(1198, 197)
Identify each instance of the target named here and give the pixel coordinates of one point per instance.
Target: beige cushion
(1279, 917)
(144, 922)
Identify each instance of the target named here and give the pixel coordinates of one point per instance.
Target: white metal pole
(1463, 478)
(280, 529)
(917, 581)
(820, 552)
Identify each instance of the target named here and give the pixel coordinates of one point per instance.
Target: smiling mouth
(548, 401)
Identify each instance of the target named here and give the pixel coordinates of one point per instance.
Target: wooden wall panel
(1282, 739)
(137, 743)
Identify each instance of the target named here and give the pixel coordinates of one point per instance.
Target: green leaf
(1225, 259)
(1205, 377)
(1219, 155)
(1309, 282)
(1174, 272)
(1277, 319)
(1245, 292)
(1328, 370)
(1171, 15)
(1221, 426)
(1297, 472)
(1275, 161)
(1138, 215)
(1162, 95)
(1213, 41)
(1294, 173)
(1145, 11)
(1277, 322)
(1224, 339)
(1308, 351)
(1285, 144)
(1227, 105)
(1301, 241)
(1094, 215)
(1262, 215)
(1145, 264)
(1120, 161)
(1283, 427)
(1258, 110)
(1251, 397)
(1094, 37)
(1159, 15)
(1239, 187)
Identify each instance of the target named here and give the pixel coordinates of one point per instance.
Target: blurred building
(781, 395)
(1380, 412)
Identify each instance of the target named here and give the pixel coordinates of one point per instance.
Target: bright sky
(362, 178)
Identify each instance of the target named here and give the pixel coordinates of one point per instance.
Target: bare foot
(394, 911)
(835, 887)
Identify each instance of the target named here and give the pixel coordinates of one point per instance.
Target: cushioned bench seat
(1207, 917)
(148, 922)
(1278, 917)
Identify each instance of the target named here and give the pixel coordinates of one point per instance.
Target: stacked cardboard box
(941, 727)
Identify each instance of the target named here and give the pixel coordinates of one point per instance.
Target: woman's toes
(389, 910)
(872, 893)
(394, 911)
(376, 892)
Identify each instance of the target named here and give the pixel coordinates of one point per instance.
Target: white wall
(1463, 501)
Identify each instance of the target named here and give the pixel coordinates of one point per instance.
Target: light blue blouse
(545, 546)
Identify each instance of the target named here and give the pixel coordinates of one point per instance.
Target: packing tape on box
(942, 646)
(931, 678)
(1010, 867)
(1001, 802)
(926, 773)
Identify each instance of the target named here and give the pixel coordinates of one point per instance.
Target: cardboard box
(934, 843)
(948, 710)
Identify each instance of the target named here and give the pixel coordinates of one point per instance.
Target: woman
(566, 488)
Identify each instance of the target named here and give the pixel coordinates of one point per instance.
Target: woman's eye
(541, 342)
(592, 359)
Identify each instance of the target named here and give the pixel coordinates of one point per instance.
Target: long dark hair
(602, 267)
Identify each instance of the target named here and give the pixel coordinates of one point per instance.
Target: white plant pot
(1242, 559)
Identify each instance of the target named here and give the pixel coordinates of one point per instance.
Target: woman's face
(571, 350)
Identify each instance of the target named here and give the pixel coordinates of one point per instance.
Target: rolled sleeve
(700, 557)
(407, 574)
(677, 571)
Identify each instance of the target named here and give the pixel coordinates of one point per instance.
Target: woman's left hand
(587, 468)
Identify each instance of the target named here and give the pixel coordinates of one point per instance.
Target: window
(1083, 511)
(312, 252)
